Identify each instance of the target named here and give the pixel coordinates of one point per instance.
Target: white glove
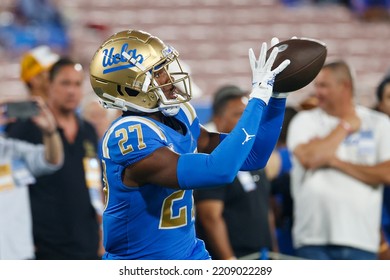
(262, 76)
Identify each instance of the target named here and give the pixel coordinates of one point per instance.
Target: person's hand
(351, 122)
(45, 119)
(262, 76)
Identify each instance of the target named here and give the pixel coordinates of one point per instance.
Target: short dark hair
(62, 62)
(223, 95)
(381, 88)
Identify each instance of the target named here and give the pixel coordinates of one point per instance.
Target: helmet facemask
(178, 80)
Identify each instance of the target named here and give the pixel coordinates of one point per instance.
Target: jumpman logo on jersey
(247, 137)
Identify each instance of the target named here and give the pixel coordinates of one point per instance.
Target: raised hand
(45, 119)
(262, 76)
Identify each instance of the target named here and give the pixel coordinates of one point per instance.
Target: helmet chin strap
(117, 103)
(169, 110)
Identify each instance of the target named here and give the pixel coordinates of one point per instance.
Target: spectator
(235, 219)
(34, 69)
(341, 160)
(34, 73)
(282, 203)
(66, 205)
(19, 163)
(383, 96)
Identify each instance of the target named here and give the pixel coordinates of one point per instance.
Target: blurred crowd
(31, 23)
(366, 10)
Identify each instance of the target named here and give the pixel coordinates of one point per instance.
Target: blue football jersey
(152, 221)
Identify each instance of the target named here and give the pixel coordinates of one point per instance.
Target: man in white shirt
(341, 161)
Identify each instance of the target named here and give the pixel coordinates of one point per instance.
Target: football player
(158, 152)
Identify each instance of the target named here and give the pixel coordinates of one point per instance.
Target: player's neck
(158, 116)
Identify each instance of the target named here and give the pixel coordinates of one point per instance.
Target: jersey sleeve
(131, 139)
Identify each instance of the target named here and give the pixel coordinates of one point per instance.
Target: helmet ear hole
(131, 92)
(119, 89)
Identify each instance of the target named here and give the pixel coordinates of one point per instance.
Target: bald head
(334, 88)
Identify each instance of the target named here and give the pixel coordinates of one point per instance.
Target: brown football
(307, 57)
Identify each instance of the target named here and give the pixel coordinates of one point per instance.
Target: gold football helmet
(123, 72)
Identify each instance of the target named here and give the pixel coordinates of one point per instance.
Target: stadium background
(213, 38)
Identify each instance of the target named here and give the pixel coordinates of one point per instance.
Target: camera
(21, 109)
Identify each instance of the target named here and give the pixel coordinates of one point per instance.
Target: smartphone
(21, 109)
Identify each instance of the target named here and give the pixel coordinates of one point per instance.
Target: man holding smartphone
(66, 205)
(20, 163)
(34, 67)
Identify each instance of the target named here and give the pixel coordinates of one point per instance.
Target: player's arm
(267, 135)
(208, 141)
(265, 141)
(199, 170)
(222, 165)
(271, 122)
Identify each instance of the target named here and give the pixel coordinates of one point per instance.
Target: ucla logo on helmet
(111, 60)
